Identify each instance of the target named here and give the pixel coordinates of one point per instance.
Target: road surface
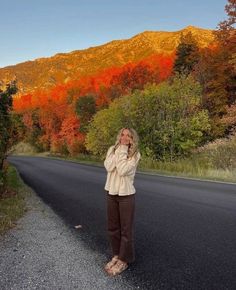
(185, 230)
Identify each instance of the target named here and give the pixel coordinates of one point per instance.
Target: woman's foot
(118, 268)
(110, 264)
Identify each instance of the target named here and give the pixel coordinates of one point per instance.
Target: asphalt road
(185, 230)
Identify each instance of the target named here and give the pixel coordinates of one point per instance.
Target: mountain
(46, 72)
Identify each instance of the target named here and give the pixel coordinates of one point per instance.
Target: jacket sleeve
(123, 165)
(109, 162)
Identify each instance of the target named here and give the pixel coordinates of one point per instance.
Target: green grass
(12, 205)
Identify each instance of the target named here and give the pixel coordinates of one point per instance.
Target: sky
(32, 29)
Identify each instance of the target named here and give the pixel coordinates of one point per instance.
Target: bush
(167, 117)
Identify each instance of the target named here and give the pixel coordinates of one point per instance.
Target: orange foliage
(23, 102)
(157, 63)
(69, 137)
(56, 106)
(27, 120)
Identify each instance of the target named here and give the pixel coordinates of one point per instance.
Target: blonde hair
(133, 149)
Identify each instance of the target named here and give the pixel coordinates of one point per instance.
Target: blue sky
(31, 29)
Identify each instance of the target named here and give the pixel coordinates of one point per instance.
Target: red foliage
(154, 68)
(56, 107)
(23, 102)
(27, 120)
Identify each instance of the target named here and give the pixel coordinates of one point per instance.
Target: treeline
(176, 102)
(57, 120)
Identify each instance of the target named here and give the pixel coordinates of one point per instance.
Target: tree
(226, 28)
(34, 130)
(5, 128)
(226, 36)
(85, 109)
(18, 130)
(103, 128)
(71, 136)
(131, 79)
(187, 54)
(216, 71)
(167, 117)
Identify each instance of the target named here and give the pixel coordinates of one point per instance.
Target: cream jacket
(120, 171)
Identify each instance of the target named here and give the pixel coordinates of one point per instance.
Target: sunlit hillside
(46, 72)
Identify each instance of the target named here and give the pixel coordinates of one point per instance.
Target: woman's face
(125, 138)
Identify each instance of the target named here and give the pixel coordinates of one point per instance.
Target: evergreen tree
(187, 54)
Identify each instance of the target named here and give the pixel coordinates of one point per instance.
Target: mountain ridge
(45, 72)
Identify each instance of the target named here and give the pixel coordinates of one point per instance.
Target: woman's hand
(124, 142)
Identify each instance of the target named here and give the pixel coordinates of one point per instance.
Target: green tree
(187, 54)
(5, 128)
(34, 133)
(18, 130)
(167, 118)
(85, 109)
(103, 128)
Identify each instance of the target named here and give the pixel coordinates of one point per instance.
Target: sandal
(110, 264)
(118, 268)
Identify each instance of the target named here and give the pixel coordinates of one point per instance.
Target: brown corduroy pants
(120, 217)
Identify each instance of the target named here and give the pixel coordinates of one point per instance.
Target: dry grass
(215, 161)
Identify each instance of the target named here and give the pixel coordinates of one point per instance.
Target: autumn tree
(131, 79)
(71, 137)
(226, 36)
(216, 71)
(226, 28)
(229, 119)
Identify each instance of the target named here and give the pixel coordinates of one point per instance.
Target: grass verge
(191, 168)
(194, 167)
(12, 205)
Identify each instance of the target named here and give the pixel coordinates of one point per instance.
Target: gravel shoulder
(42, 252)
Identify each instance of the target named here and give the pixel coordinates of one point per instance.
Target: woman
(121, 163)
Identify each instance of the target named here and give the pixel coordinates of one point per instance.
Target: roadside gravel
(42, 252)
